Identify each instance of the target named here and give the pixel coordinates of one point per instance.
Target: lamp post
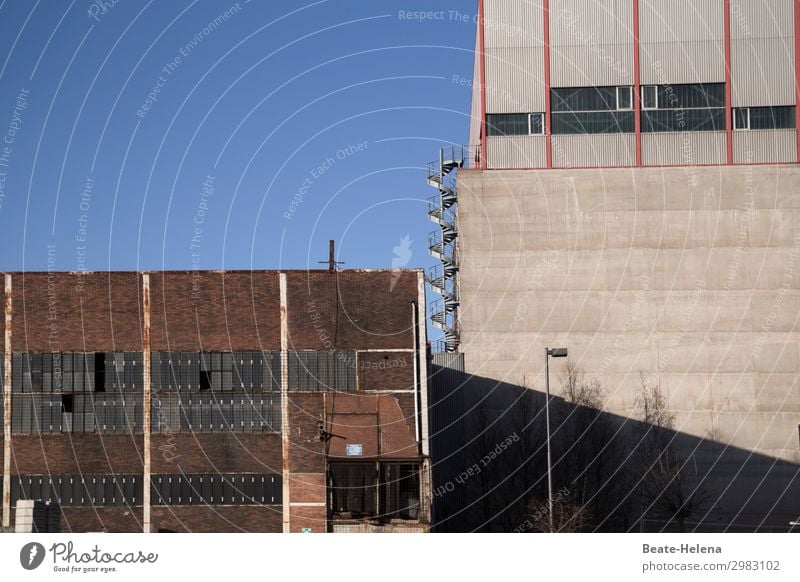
(548, 353)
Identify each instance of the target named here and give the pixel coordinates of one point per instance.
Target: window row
(76, 413)
(193, 372)
(127, 490)
(665, 108)
(375, 490)
(78, 489)
(217, 371)
(216, 489)
(170, 413)
(76, 371)
(192, 413)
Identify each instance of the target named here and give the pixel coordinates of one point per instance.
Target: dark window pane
(353, 487)
(772, 118)
(683, 120)
(700, 95)
(593, 122)
(584, 99)
(537, 123)
(624, 98)
(507, 124)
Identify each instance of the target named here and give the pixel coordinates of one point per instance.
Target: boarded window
(322, 371)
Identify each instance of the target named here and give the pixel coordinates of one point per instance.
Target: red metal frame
(547, 130)
(482, 35)
(797, 72)
(541, 169)
(637, 106)
(728, 108)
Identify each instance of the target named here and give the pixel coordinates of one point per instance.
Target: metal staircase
(442, 278)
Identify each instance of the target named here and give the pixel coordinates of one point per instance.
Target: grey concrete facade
(685, 278)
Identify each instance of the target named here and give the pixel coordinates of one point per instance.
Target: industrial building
(632, 192)
(215, 401)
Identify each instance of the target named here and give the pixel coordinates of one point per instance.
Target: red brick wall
(371, 313)
(308, 487)
(93, 312)
(386, 370)
(77, 453)
(314, 517)
(215, 453)
(217, 518)
(306, 452)
(218, 311)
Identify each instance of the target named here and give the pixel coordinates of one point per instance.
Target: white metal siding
(681, 41)
(765, 146)
(521, 151)
(515, 80)
(591, 43)
(683, 148)
(762, 53)
(514, 56)
(514, 23)
(616, 149)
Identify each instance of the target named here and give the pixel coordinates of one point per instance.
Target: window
(536, 123)
(93, 490)
(216, 371)
(593, 122)
(649, 97)
(591, 110)
(624, 98)
(77, 392)
(383, 490)
(691, 107)
(741, 118)
(507, 124)
(174, 413)
(352, 488)
(764, 118)
(683, 120)
(322, 371)
(400, 490)
(183, 489)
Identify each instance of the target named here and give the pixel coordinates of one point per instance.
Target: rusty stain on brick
(147, 397)
(7, 406)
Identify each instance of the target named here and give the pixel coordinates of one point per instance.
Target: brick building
(258, 401)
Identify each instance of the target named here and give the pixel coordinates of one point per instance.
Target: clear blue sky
(266, 105)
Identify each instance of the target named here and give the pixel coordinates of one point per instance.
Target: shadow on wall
(610, 473)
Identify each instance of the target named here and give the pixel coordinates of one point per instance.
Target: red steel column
(797, 71)
(482, 48)
(728, 108)
(547, 130)
(637, 105)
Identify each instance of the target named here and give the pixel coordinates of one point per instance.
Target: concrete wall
(686, 277)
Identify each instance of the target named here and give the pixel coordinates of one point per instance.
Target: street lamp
(548, 353)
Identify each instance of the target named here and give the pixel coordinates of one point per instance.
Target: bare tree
(568, 516)
(669, 491)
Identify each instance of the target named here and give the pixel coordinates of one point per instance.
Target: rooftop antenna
(332, 262)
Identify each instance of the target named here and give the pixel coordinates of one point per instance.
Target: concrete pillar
(146, 400)
(7, 407)
(285, 403)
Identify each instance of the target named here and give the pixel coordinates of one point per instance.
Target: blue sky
(174, 135)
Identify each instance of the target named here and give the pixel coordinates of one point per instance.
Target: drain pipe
(417, 418)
